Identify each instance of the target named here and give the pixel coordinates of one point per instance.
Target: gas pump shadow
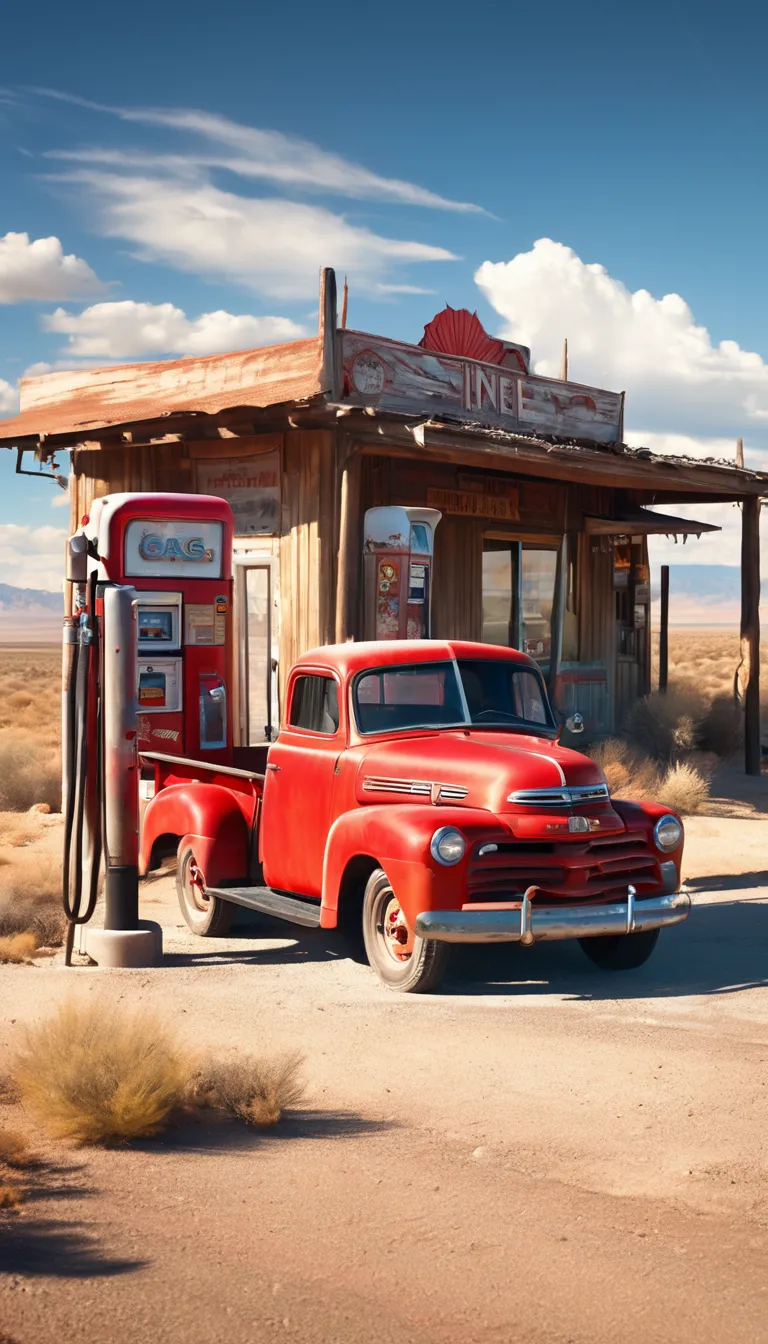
(720, 949)
(62, 1248)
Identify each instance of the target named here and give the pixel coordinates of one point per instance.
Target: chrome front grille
(420, 788)
(567, 796)
(579, 870)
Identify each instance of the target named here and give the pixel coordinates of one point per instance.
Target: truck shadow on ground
(62, 1248)
(722, 948)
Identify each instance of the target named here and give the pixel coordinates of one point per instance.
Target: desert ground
(540, 1152)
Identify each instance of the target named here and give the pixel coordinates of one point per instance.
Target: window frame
(326, 674)
(548, 729)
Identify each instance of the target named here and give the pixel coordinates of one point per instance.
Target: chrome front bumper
(526, 924)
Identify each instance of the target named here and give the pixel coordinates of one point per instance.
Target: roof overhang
(639, 522)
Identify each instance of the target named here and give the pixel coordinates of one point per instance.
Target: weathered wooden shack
(545, 512)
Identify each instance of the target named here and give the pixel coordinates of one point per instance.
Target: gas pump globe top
(176, 551)
(398, 555)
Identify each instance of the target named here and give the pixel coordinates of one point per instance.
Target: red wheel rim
(397, 937)
(195, 887)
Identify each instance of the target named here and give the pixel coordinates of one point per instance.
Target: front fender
(211, 818)
(397, 836)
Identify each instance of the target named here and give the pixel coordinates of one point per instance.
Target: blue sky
(210, 158)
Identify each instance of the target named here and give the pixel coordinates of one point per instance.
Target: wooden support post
(750, 630)
(350, 557)
(558, 616)
(664, 631)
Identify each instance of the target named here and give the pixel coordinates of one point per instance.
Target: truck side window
(315, 704)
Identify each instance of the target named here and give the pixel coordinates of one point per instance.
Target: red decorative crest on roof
(456, 331)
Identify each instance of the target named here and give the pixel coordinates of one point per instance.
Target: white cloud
(39, 269)
(273, 246)
(124, 330)
(264, 154)
(37, 553)
(676, 378)
(60, 500)
(9, 398)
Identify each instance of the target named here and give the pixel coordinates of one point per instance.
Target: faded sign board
(392, 376)
(251, 487)
(474, 504)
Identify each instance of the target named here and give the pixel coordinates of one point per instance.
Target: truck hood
(477, 768)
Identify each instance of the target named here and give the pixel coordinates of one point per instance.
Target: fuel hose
(82, 787)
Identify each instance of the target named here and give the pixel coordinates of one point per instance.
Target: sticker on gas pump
(417, 582)
(222, 605)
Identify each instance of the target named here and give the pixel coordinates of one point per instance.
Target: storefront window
(518, 596)
(538, 593)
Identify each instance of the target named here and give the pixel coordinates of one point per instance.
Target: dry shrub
(11, 1197)
(17, 948)
(30, 898)
(664, 726)
(722, 730)
(683, 788)
(9, 1092)
(98, 1074)
(14, 1151)
(255, 1090)
(30, 772)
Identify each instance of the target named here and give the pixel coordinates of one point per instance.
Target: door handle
(271, 766)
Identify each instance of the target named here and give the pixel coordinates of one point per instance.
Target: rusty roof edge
(549, 443)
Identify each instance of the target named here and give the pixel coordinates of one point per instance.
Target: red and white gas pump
(397, 563)
(147, 667)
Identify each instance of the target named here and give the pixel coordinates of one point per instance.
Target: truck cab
(418, 790)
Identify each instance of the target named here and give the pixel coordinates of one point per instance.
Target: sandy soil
(540, 1153)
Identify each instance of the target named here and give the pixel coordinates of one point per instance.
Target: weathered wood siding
(308, 545)
(392, 376)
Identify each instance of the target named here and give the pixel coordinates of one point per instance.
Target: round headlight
(667, 833)
(448, 845)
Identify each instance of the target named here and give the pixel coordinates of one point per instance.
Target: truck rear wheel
(402, 961)
(207, 916)
(620, 951)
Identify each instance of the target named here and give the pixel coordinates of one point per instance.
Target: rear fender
(212, 819)
(397, 837)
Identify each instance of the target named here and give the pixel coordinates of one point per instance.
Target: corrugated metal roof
(81, 400)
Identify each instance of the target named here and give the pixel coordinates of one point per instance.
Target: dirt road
(540, 1153)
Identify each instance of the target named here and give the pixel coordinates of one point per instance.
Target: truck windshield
(494, 693)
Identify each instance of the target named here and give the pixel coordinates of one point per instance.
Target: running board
(269, 902)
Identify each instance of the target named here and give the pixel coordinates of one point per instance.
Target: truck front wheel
(402, 961)
(207, 916)
(620, 951)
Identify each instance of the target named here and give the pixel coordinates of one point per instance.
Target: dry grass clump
(663, 726)
(17, 948)
(30, 772)
(253, 1089)
(30, 729)
(98, 1074)
(30, 897)
(11, 1197)
(629, 774)
(683, 788)
(14, 1151)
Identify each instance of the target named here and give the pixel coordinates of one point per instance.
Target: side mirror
(575, 723)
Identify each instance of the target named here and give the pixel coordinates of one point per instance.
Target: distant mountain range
(30, 615)
(30, 599)
(718, 583)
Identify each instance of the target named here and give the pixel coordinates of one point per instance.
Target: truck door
(298, 794)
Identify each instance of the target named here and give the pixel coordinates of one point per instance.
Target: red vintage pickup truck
(418, 789)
